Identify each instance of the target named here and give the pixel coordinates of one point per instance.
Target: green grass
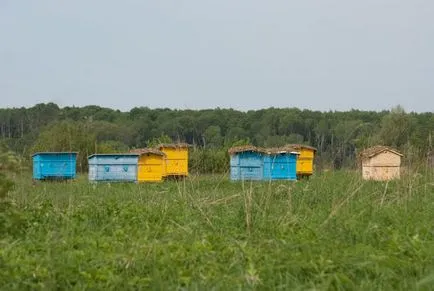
(332, 232)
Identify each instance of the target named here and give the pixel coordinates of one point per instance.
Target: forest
(338, 136)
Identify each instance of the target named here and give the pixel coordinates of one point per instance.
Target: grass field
(332, 232)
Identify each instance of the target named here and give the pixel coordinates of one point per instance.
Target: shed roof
(114, 154)
(147, 151)
(375, 150)
(296, 147)
(244, 148)
(173, 145)
(54, 153)
(280, 150)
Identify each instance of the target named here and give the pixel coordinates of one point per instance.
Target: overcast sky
(243, 54)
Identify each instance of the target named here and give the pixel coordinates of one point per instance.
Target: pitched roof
(297, 147)
(375, 150)
(147, 151)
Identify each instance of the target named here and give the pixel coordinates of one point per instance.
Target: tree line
(338, 136)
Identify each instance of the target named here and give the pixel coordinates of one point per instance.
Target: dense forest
(337, 135)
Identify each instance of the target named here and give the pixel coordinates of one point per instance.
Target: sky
(243, 54)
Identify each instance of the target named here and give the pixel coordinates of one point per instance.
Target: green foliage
(337, 135)
(68, 136)
(9, 163)
(240, 142)
(111, 146)
(155, 141)
(332, 232)
(212, 137)
(208, 161)
(11, 222)
(395, 128)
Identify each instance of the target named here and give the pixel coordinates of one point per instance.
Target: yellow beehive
(176, 159)
(150, 166)
(304, 160)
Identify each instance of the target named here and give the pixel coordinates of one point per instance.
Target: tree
(395, 128)
(68, 136)
(212, 137)
(155, 141)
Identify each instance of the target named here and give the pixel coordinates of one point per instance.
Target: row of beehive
(248, 162)
(143, 165)
(286, 163)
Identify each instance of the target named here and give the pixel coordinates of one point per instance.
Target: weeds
(332, 232)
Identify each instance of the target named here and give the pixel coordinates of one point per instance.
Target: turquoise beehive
(54, 165)
(280, 165)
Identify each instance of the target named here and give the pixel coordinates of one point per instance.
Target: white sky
(243, 54)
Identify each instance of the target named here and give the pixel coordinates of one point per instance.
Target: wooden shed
(380, 163)
(280, 164)
(175, 160)
(150, 165)
(54, 165)
(304, 160)
(246, 163)
(113, 167)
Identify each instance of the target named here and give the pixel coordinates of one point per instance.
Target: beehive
(246, 163)
(280, 164)
(54, 165)
(175, 160)
(150, 165)
(304, 160)
(380, 163)
(113, 167)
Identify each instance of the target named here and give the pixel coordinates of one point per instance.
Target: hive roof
(375, 150)
(268, 151)
(280, 150)
(244, 148)
(54, 153)
(297, 147)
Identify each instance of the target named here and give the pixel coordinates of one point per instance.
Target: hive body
(113, 167)
(381, 163)
(54, 165)
(280, 166)
(150, 168)
(175, 160)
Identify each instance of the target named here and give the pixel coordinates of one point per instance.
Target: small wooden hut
(150, 165)
(175, 160)
(380, 163)
(246, 163)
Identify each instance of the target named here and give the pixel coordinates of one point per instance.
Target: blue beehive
(246, 163)
(280, 165)
(54, 165)
(113, 167)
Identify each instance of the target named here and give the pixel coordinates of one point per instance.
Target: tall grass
(331, 232)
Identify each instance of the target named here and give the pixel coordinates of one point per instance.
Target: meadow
(331, 232)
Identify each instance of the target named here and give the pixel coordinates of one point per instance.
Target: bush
(208, 161)
(10, 217)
